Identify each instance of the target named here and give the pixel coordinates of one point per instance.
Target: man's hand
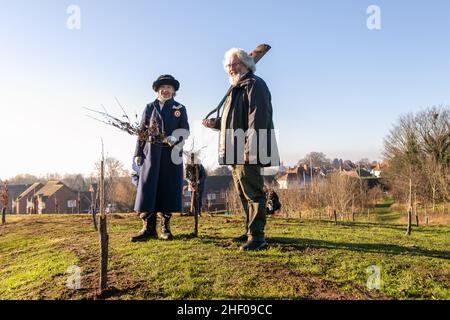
(138, 161)
(208, 123)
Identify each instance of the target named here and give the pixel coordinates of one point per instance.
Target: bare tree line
(417, 157)
(119, 190)
(335, 197)
(344, 195)
(75, 181)
(418, 153)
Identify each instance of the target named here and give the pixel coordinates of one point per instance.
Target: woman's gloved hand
(138, 161)
(171, 140)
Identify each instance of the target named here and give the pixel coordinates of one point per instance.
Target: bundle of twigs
(144, 132)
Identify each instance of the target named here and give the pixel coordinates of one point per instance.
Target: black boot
(242, 238)
(148, 228)
(254, 245)
(165, 226)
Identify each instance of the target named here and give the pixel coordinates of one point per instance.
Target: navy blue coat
(160, 185)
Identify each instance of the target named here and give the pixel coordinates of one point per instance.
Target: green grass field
(306, 259)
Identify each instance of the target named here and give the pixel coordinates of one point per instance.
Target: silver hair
(243, 56)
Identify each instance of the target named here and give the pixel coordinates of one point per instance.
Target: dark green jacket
(246, 125)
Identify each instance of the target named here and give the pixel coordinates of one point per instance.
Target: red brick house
(214, 195)
(56, 197)
(26, 201)
(14, 190)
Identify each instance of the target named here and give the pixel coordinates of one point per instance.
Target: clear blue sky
(337, 86)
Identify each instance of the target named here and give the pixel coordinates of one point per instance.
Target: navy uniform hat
(166, 79)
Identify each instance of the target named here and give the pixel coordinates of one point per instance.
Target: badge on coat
(177, 112)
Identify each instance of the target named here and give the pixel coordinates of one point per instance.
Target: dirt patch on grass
(318, 288)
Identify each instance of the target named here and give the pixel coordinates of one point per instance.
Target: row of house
(301, 176)
(52, 197)
(56, 197)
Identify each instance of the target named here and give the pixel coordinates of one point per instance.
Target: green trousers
(249, 184)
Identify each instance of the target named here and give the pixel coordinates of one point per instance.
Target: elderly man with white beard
(247, 141)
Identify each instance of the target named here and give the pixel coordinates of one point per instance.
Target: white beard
(234, 79)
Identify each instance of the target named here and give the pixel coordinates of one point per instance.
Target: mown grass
(306, 259)
(29, 264)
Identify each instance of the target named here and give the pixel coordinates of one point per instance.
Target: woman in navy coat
(160, 183)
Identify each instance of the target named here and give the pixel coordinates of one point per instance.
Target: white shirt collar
(162, 102)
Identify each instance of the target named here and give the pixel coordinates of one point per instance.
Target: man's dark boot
(148, 230)
(165, 226)
(254, 245)
(242, 238)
